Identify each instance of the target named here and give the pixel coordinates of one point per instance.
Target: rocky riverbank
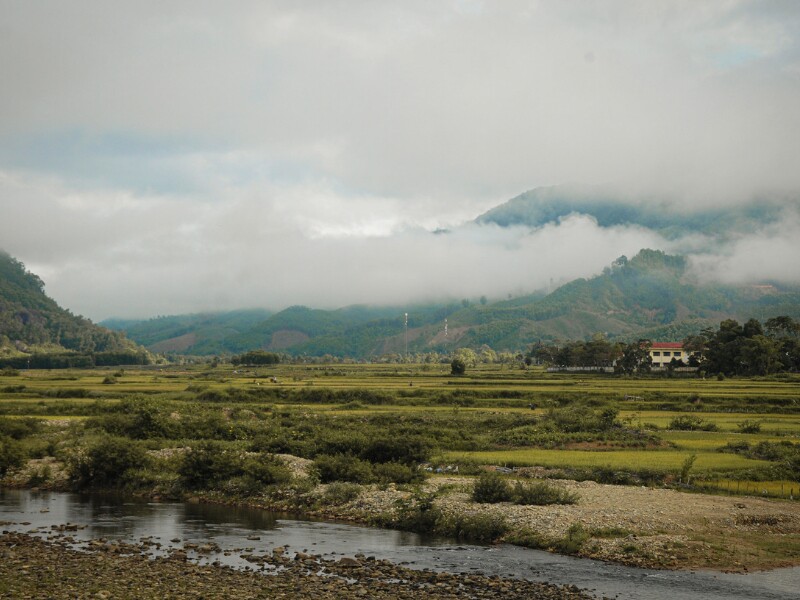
(637, 526)
(34, 568)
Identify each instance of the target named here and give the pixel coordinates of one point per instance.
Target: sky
(168, 157)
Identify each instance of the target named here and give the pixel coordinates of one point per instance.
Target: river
(232, 529)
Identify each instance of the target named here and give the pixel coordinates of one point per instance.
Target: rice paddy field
(743, 434)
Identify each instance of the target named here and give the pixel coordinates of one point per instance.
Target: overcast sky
(166, 157)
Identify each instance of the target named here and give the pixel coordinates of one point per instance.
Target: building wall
(662, 356)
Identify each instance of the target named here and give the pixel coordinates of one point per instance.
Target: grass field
(664, 461)
(460, 418)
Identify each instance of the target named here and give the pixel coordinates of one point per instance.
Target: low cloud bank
(140, 257)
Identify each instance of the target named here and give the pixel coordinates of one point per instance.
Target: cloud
(426, 98)
(771, 254)
(191, 156)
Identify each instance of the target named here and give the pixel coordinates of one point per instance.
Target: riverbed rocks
(35, 568)
(672, 529)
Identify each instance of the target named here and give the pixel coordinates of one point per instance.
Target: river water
(232, 528)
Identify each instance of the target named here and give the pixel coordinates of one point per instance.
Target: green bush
(343, 467)
(749, 426)
(339, 493)
(474, 528)
(458, 367)
(573, 541)
(691, 423)
(490, 488)
(401, 449)
(11, 454)
(392, 472)
(528, 538)
(418, 515)
(19, 428)
(208, 464)
(107, 461)
(14, 389)
(266, 470)
(342, 441)
(541, 494)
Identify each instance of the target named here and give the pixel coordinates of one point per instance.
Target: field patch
(659, 460)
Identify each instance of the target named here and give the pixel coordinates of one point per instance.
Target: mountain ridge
(649, 295)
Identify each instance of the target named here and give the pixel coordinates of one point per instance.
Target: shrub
(458, 367)
(691, 423)
(749, 426)
(19, 428)
(109, 379)
(13, 389)
(491, 488)
(339, 493)
(392, 472)
(686, 467)
(11, 454)
(342, 442)
(528, 538)
(399, 449)
(208, 464)
(474, 528)
(42, 475)
(541, 494)
(420, 515)
(572, 542)
(266, 470)
(343, 467)
(579, 418)
(107, 462)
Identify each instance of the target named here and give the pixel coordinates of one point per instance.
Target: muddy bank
(35, 568)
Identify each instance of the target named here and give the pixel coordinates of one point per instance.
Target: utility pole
(406, 334)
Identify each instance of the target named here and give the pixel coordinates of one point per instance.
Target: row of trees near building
(598, 352)
(732, 349)
(749, 349)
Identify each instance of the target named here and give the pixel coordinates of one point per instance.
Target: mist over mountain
(669, 217)
(652, 294)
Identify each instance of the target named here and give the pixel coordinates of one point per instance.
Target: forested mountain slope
(30, 321)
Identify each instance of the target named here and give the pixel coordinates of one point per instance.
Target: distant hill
(351, 331)
(649, 295)
(31, 322)
(646, 296)
(544, 205)
(189, 334)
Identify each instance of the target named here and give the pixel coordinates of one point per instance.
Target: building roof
(666, 346)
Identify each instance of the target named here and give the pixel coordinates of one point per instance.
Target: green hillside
(202, 333)
(649, 295)
(33, 323)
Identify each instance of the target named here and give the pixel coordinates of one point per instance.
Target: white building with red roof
(663, 352)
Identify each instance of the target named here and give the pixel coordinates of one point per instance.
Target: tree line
(599, 352)
(74, 360)
(731, 349)
(749, 349)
